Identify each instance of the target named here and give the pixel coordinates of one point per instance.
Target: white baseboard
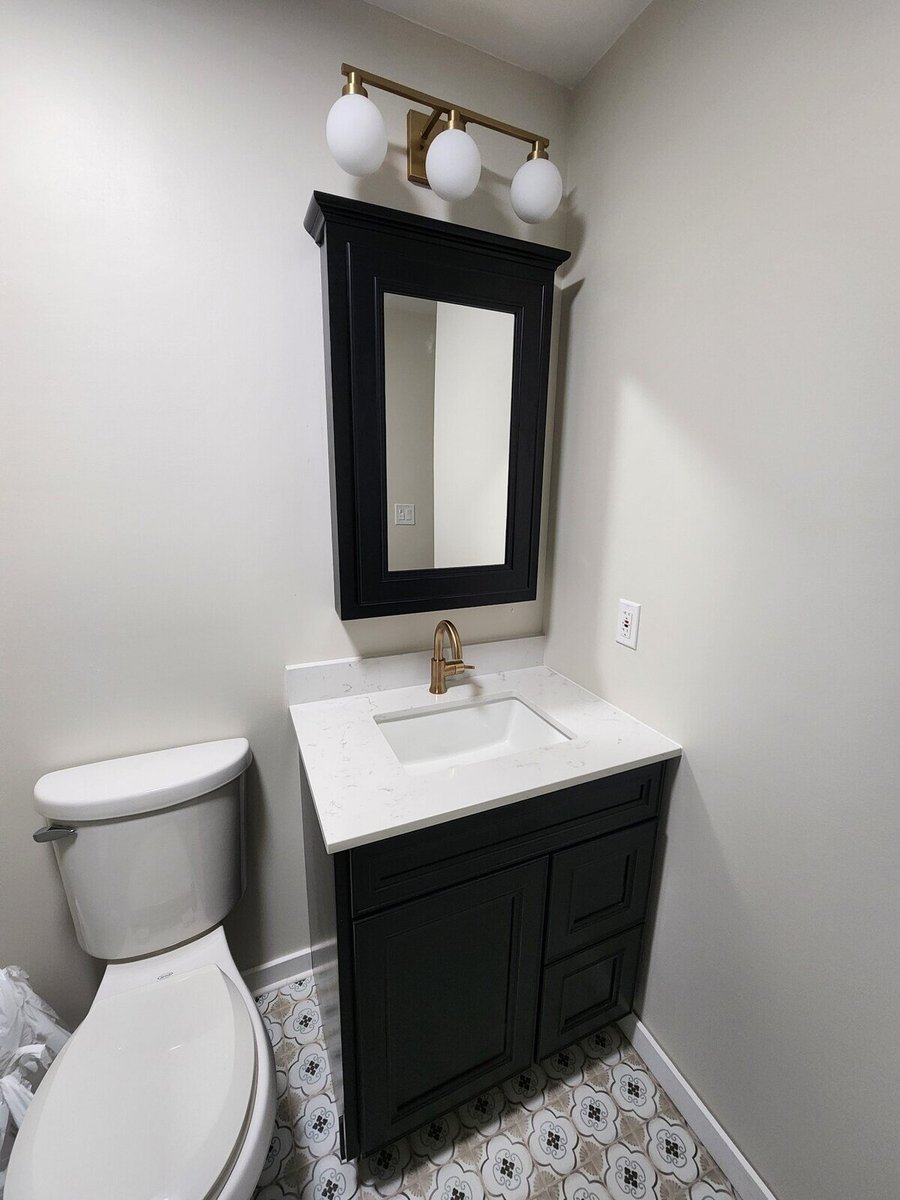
(270, 976)
(740, 1174)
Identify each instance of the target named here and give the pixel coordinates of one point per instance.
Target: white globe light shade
(453, 165)
(536, 190)
(356, 135)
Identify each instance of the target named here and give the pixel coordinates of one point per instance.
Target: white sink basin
(435, 739)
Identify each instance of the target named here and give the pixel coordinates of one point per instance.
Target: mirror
(447, 394)
(437, 348)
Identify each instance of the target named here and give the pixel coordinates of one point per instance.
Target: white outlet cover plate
(627, 625)
(404, 514)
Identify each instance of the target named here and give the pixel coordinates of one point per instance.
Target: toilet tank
(155, 853)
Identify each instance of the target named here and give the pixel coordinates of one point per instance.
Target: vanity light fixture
(440, 153)
(453, 161)
(355, 130)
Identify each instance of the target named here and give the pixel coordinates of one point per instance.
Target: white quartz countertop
(362, 793)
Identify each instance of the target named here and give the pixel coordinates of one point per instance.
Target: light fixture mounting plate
(417, 147)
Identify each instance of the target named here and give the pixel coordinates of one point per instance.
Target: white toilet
(166, 1091)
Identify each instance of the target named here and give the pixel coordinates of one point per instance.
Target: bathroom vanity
(476, 894)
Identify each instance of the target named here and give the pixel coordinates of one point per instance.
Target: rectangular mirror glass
(447, 390)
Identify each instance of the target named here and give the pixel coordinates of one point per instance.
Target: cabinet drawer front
(447, 994)
(587, 990)
(401, 868)
(598, 888)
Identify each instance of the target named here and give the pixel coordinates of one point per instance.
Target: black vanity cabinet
(450, 958)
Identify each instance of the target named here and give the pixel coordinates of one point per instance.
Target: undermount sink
(435, 739)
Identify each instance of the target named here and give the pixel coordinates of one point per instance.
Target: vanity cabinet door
(446, 997)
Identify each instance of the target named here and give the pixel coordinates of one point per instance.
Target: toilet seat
(149, 1099)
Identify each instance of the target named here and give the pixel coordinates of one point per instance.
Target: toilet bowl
(166, 1089)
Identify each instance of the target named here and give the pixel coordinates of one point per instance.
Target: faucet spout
(442, 667)
(447, 629)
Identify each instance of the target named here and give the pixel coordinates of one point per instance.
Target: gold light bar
(421, 129)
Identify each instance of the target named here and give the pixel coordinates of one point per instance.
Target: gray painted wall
(166, 541)
(729, 455)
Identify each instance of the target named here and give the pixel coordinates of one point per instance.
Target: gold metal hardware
(422, 128)
(442, 667)
(353, 86)
(418, 138)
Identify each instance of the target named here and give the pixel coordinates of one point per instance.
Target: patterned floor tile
(588, 1123)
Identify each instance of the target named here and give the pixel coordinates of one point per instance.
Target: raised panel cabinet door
(598, 888)
(447, 994)
(587, 990)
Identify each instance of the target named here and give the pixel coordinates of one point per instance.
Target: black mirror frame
(368, 250)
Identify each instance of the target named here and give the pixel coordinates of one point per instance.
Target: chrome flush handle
(53, 833)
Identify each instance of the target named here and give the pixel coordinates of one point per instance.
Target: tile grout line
(630, 1135)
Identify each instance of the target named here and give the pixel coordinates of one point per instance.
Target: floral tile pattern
(588, 1123)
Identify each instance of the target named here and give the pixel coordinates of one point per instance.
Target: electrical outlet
(629, 620)
(404, 514)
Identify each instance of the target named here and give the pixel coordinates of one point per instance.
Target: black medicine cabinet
(437, 360)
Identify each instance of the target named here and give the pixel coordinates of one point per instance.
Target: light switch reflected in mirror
(447, 393)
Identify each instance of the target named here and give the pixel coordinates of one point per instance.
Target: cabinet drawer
(401, 868)
(587, 990)
(598, 888)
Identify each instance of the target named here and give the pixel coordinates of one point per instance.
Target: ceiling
(559, 40)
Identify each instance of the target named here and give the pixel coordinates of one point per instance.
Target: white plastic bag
(30, 1038)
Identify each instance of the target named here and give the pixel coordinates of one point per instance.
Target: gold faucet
(442, 667)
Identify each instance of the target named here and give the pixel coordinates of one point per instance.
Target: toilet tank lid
(142, 783)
